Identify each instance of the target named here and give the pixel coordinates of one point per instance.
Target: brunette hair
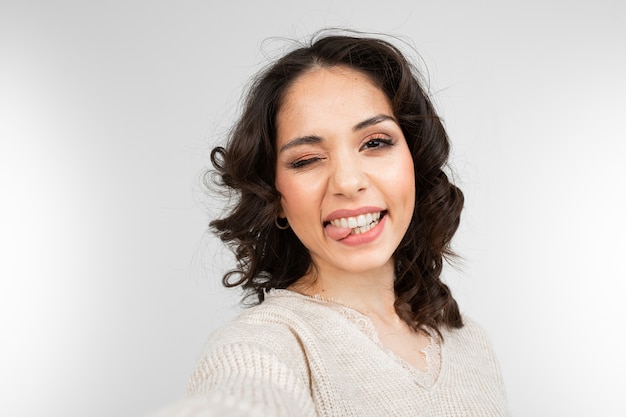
(269, 257)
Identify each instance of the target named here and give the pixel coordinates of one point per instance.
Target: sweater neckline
(433, 352)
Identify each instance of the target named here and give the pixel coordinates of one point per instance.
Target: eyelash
(380, 143)
(301, 163)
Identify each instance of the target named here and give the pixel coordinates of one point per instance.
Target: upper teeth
(358, 221)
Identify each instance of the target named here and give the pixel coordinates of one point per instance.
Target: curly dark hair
(268, 257)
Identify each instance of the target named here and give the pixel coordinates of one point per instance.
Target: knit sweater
(295, 355)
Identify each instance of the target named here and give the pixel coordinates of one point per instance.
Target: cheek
(405, 180)
(297, 194)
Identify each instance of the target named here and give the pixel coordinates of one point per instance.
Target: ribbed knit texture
(299, 356)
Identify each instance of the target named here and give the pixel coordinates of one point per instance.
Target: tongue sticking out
(337, 233)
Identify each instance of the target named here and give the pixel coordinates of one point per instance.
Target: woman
(342, 221)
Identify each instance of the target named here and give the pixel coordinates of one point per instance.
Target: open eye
(374, 143)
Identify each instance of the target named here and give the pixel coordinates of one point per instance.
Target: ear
(279, 210)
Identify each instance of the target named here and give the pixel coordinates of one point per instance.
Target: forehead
(326, 82)
(327, 95)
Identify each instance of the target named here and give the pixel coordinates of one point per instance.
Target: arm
(250, 379)
(248, 369)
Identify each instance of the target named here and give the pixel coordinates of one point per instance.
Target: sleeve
(223, 405)
(209, 407)
(252, 377)
(249, 373)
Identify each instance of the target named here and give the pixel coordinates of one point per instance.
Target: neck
(368, 292)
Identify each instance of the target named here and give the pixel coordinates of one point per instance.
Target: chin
(366, 264)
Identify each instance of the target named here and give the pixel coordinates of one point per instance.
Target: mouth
(358, 224)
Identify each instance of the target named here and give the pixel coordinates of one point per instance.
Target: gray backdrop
(109, 285)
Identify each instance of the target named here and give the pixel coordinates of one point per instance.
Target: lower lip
(367, 237)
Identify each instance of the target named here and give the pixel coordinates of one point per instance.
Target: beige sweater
(295, 355)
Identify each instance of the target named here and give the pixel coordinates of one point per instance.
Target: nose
(348, 177)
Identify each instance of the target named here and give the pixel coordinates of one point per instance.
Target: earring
(285, 227)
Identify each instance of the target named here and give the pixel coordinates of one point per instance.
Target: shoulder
(472, 330)
(257, 360)
(472, 345)
(271, 339)
(472, 336)
(283, 317)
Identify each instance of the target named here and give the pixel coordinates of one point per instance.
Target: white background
(109, 285)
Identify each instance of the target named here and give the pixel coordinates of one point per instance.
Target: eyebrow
(313, 139)
(304, 140)
(372, 121)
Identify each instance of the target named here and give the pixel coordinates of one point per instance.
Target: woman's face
(344, 170)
